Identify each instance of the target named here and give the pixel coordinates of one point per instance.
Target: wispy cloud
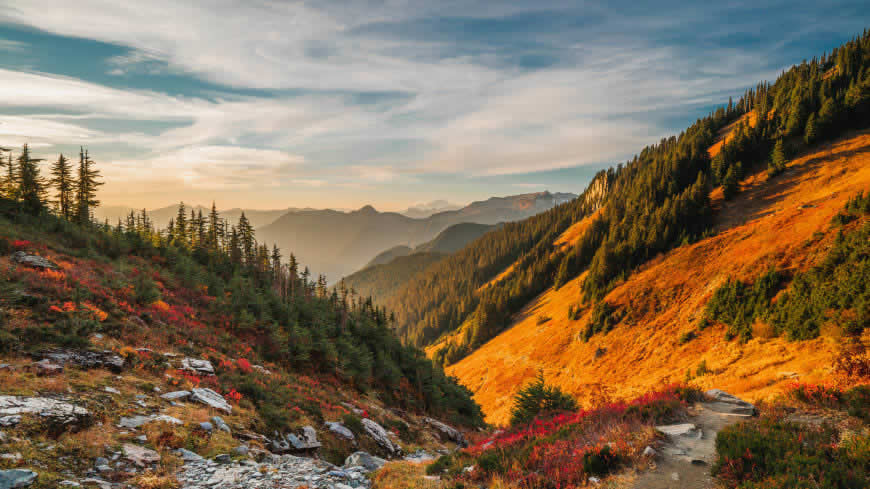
(393, 94)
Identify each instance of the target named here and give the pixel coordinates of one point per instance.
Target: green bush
(353, 423)
(687, 337)
(600, 462)
(768, 453)
(538, 398)
(439, 466)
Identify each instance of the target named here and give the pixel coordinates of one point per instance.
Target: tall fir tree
(64, 185)
(777, 159)
(31, 185)
(87, 183)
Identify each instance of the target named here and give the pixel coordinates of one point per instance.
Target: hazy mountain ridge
(338, 243)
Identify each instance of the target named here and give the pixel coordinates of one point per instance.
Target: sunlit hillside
(783, 222)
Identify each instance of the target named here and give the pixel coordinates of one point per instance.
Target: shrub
(604, 318)
(439, 466)
(600, 461)
(353, 423)
(687, 337)
(538, 398)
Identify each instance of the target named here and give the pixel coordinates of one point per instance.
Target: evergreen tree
(810, 133)
(777, 159)
(214, 227)
(181, 233)
(9, 179)
(538, 399)
(246, 239)
(31, 186)
(731, 182)
(87, 183)
(64, 184)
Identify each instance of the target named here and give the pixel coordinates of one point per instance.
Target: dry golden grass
(769, 223)
(726, 133)
(404, 475)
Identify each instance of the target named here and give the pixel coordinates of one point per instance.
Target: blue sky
(274, 104)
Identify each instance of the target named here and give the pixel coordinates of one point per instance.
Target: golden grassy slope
(784, 222)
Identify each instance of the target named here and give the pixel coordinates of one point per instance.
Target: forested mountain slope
(657, 331)
(653, 203)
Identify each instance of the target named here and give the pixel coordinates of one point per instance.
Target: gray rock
(684, 429)
(101, 461)
(174, 396)
(69, 484)
(142, 438)
(649, 452)
(97, 482)
(381, 437)
(240, 451)
(163, 418)
(17, 478)
(206, 426)
(197, 365)
(220, 424)
(85, 359)
(420, 456)
(365, 460)
(307, 440)
(188, 456)
(223, 459)
(211, 399)
(111, 390)
(52, 410)
(340, 430)
(140, 456)
(33, 261)
(46, 367)
(10, 420)
(725, 403)
(133, 422)
(450, 432)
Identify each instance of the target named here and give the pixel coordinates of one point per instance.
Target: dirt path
(684, 461)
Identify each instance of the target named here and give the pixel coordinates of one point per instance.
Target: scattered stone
(52, 410)
(380, 436)
(206, 426)
(211, 399)
(261, 369)
(140, 456)
(220, 424)
(101, 461)
(240, 451)
(14, 457)
(33, 261)
(307, 440)
(10, 420)
(111, 390)
(133, 422)
(684, 429)
(188, 456)
(16, 478)
(44, 368)
(340, 430)
(223, 459)
(649, 452)
(450, 432)
(726, 403)
(97, 482)
(197, 365)
(174, 396)
(420, 456)
(163, 418)
(69, 484)
(365, 460)
(594, 480)
(142, 438)
(6, 366)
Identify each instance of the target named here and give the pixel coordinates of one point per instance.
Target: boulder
(381, 437)
(450, 432)
(307, 440)
(140, 456)
(197, 365)
(365, 460)
(10, 420)
(44, 368)
(17, 478)
(85, 359)
(211, 399)
(420, 456)
(133, 422)
(174, 396)
(206, 426)
(223, 459)
(240, 451)
(340, 430)
(684, 429)
(188, 456)
(725, 403)
(33, 261)
(54, 411)
(111, 390)
(220, 424)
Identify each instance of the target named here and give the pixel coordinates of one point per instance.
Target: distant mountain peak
(367, 209)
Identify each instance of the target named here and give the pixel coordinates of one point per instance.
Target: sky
(274, 104)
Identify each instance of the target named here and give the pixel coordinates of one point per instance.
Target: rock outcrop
(381, 437)
(447, 431)
(211, 399)
(33, 261)
(340, 430)
(725, 403)
(365, 460)
(85, 359)
(17, 478)
(305, 441)
(203, 367)
(55, 412)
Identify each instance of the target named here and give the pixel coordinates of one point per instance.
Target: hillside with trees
(658, 200)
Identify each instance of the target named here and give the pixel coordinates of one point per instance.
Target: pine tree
(181, 233)
(731, 182)
(214, 226)
(31, 186)
(87, 183)
(65, 185)
(538, 398)
(246, 239)
(9, 180)
(777, 159)
(810, 133)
